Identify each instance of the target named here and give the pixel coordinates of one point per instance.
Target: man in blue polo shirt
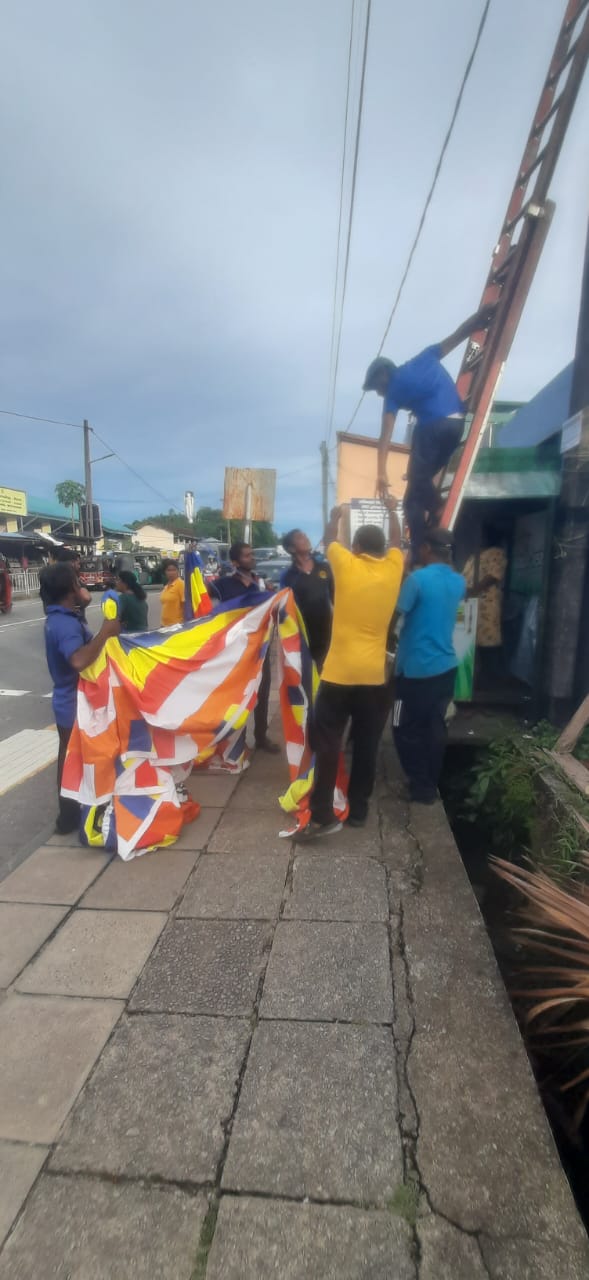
(70, 647)
(425, 388)
(426, 664)
(245, 584)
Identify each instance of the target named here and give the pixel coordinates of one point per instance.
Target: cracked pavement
(236, 1059)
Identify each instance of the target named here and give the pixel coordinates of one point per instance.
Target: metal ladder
(518, 249)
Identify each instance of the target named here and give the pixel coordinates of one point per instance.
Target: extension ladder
(519, 246)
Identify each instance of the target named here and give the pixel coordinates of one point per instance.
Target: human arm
(88, 653)
(332, 527)
(394, 526)
(480, 320)
(386, 433)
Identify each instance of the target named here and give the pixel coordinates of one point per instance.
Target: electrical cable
(134, 472)
(350, 220)
(340, 216)
(32, 417)
(428, 200)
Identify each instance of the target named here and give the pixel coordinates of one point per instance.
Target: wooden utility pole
(89, 530)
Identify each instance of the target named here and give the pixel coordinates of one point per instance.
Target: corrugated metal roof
(541, 417)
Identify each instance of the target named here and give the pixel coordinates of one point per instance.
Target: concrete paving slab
(317, 1115)
(254, 833)
(84, 1229)
(149, 883)
(48, 1045)
(23, 929)
(360, 842)
(536, 1259)
(212, 790)
(236, 887)
(255, 1239)
(158, 1100)
(255, 793)
(447, 1253)
(71, 841)
(329, 971)
(206, 967)
(96, 953)
(337, 888)
(198, 833)
(485, 1151)
(53, 875)
(19, 1166)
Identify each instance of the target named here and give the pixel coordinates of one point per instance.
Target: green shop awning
(515, 473)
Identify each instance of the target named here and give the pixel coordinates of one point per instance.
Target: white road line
(14, 693)
(28, 622)
(25, 754)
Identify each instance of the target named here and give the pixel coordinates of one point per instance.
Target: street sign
(368, 511)
(571, 432)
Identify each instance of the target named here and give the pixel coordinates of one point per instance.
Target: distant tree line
(209, 523)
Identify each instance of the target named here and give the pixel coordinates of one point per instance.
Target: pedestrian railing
(25, 582)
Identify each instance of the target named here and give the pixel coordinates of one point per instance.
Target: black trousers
(366, 705)
(261, 707)
(419, 729)
(432, 446)
(68, 818)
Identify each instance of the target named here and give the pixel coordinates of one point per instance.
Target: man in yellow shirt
(172, 596)
(353, 682)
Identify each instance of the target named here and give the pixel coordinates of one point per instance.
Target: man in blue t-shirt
(425, 388)
(426, 664)
(70, 647)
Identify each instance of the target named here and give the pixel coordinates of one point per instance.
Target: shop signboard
(13, 502)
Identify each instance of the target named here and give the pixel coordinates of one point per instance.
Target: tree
(70, 493)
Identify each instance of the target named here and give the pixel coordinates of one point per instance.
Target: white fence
(25, 582)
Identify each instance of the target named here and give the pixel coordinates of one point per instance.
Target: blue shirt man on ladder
(426, 389)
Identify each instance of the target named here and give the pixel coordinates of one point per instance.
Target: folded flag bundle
(154, 704)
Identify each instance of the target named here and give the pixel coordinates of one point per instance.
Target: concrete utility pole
(88, 481)
(324, 481)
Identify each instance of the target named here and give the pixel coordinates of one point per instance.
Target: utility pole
(88, 482)
(324, 481)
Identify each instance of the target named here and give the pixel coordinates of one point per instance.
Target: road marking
(14, 693)
(25, 754)
(40, 617)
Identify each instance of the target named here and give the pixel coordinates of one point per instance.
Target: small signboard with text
(13, 502)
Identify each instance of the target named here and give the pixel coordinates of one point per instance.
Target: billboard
(261, 483)
(13, 502)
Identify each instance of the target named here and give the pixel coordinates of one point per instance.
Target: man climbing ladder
(425, 388)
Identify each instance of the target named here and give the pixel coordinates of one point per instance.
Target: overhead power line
(32, 417)
(359, 115)
(340, 215)
(429, 197)
(61, 422)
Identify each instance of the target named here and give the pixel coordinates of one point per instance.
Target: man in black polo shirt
(245, 582)
(311, 580)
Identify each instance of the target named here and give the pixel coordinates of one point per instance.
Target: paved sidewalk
(237, 1060)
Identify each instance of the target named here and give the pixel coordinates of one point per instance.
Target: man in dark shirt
(245, 584)
(70, 647)
(64, 555)
(426, 389)
(311, 581)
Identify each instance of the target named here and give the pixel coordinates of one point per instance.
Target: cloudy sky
(170, 177)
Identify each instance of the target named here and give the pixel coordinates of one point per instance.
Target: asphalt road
(28, 810)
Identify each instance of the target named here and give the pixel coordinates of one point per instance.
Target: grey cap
(374, 370)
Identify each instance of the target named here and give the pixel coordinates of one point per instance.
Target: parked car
(271, 569)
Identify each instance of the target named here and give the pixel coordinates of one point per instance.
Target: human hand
(111, 627)
(336, 513)
(382, 487)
